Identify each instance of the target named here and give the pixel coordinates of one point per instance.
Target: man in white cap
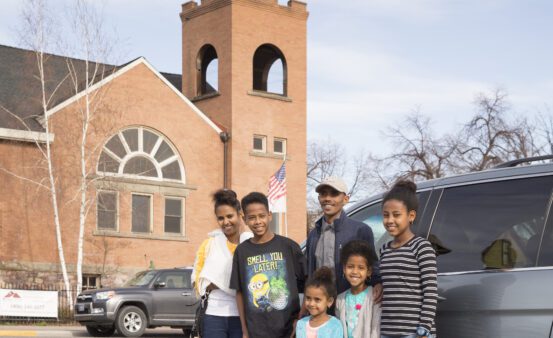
(334, 230)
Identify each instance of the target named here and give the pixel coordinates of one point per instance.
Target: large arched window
(269, 70)
(139, 152)
(207, 65)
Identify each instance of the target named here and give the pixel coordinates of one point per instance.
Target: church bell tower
(244, 65)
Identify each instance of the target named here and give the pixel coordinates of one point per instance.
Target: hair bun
(324, 273)
(224, 195)
(405, 185)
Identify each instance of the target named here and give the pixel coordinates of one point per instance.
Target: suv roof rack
(516, 162)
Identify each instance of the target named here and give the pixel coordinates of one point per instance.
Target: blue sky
(370, 62)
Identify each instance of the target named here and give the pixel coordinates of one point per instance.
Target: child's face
(332, 201)
(228, 219)
(357, 270)
(317, 301)
(396, 218)
(257, 218)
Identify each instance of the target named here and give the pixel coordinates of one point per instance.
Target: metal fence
(65, 309)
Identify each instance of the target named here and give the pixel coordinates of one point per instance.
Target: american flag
(277, 185)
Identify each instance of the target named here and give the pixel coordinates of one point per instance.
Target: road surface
(75, 331)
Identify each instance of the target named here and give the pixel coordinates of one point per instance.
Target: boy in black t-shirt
(268, 272)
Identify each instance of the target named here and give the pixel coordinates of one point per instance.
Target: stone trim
(205, 96)
(270, 155)
(149, 236)
(25, 135)
(269, 95)
(143, 186)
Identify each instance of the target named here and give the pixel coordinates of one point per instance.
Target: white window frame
(140, 152)
(116, 210)
(263, 143)
(165, 198)
(150, 226)
(284, 141)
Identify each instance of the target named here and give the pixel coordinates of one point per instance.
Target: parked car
(493, 233)
(152, 298)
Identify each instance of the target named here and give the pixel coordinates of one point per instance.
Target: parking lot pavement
(74, 331)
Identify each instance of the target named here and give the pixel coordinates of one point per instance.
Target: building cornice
(295, 9)
(25, 135)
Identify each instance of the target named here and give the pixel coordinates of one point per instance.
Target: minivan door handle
(441, 299)
(186, 294)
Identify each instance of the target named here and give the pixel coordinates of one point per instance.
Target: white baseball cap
(335, 183)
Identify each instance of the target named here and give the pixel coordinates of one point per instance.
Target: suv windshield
(142, 278)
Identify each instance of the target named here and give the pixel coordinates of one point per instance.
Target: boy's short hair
(357, 247)
(254, 197)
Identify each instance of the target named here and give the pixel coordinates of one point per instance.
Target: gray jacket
(368, 322)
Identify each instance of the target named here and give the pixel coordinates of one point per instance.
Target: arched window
(139, 152)
(269, 70)
(207, 65)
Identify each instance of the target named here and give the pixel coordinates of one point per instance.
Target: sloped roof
(21, 91)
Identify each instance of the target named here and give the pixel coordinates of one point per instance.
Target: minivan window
(490, 225)
(372, 216)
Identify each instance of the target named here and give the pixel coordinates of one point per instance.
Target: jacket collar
(337, 222)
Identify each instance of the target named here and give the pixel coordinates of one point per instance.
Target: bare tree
(544, 122)
(419, 154)
(324, 159)
(328, 158)
(91, 44)
(38, 28)
(489, 138)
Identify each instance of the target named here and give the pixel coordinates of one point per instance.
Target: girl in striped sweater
(408, 269)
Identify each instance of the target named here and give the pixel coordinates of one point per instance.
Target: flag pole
(286, 206)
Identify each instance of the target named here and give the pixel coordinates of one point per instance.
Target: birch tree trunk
(36, 15)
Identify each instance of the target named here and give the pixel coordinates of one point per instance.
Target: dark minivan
(493, 234)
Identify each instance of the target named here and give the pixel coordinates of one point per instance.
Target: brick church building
(159, 145)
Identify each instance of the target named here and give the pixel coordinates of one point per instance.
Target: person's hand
(211, 287)
(377, 293)
(294, 324)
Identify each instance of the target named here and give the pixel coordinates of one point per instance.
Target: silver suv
(493, 234)
(152, 298)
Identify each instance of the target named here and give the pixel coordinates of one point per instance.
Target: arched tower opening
(269, 70)
(207, 70)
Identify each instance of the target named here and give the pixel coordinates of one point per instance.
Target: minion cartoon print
(267, 286)
(259, 287)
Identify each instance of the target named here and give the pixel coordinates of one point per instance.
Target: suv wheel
(131, 321)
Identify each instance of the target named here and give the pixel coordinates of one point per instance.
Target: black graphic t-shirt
(270, 276)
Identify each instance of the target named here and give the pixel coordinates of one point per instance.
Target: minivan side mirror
(438, 245)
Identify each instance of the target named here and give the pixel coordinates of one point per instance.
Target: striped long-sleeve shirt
(409, 279)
